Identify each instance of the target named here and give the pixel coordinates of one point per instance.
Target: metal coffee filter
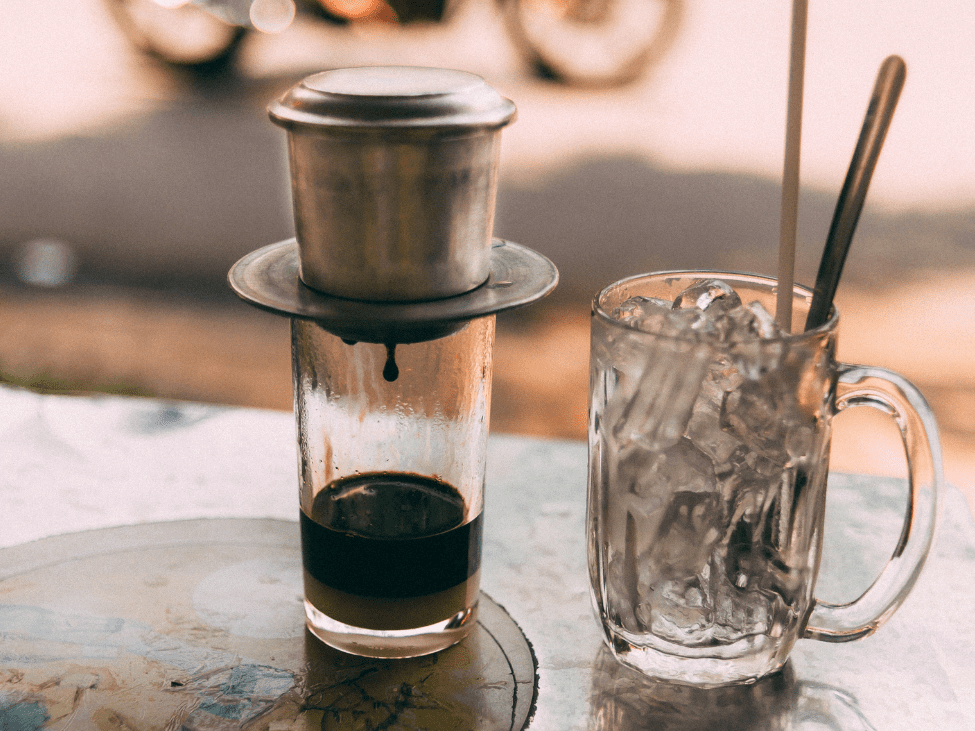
(394, 177)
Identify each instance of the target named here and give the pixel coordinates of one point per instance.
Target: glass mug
(708, 458)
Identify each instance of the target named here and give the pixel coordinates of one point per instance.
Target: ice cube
(655, 407)
(704, 427)
(657, 316)
(762, 521)
(644, 482)
(673, 582)
(751, 538)
(751, 413)
(710, 295)
(679, 611)
(766, 415)
(688, 532)
(642, 313)
(693, 322)
(666, 513)
(682, 467)
(755, 340)
(618, 350)
(741, 613)
(751, 321)
(634, 513)
(744, 464)
(754, 358)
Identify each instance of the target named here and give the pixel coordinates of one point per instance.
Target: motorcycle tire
(599, 43)
(185, 37)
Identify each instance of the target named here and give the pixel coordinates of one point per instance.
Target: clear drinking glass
(707, 486)
(392, 444)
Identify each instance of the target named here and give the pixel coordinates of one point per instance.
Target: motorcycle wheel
(592, 42)
(184, 36)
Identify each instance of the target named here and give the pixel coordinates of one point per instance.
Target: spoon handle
(886, 92)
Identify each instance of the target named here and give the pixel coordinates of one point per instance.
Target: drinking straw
(790, 174)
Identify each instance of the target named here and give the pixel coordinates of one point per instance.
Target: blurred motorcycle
(578, 42)
(592, 42)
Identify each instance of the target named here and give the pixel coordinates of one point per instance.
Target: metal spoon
(886, 92)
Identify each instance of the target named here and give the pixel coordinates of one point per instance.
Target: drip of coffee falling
(391, 370)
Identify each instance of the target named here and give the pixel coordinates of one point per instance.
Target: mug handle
(896, 396)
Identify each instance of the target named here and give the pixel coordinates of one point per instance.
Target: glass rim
(761, 279)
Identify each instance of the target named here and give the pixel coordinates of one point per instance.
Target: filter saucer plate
(268, 278)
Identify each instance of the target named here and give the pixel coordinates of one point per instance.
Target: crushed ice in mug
(709, 439)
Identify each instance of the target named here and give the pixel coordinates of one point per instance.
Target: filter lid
(393, 97)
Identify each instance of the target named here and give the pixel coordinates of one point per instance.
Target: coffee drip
(390, 369)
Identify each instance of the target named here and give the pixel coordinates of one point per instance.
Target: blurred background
(137, 164)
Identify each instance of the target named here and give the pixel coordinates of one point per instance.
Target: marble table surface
(70, 464)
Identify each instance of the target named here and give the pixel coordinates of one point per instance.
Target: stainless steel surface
(880, 112)
(394, 175)
(268, 278)
(112, 461)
